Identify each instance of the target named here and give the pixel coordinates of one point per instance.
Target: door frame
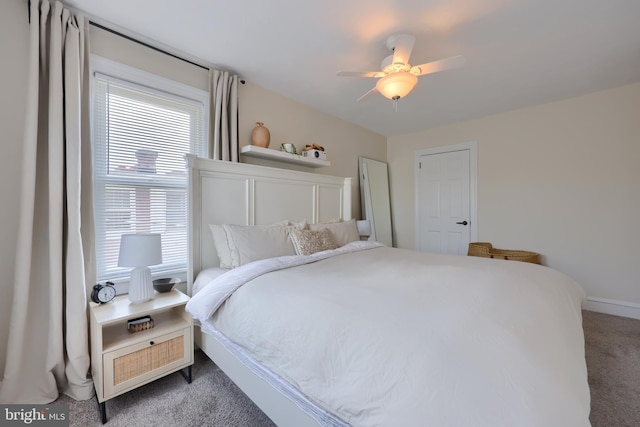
(472, 147)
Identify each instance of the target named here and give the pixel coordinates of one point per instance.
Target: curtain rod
(140, 42)
(157, 49)
(117, 33)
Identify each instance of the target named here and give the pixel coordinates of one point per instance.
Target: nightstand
(123, 360)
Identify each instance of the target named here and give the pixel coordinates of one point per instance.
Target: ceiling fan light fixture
(397, 85)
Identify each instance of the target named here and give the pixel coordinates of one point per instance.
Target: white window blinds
(140, 136)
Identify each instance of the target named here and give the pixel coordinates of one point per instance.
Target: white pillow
(223, 242)
(251, 243)
(308, 242)
(300, 225)
(343, 232)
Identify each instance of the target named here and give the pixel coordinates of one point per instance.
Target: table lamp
(140, 251)
(364, 227)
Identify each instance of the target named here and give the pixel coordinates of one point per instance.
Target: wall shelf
(281, 156)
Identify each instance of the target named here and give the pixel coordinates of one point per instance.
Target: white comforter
(390, 337)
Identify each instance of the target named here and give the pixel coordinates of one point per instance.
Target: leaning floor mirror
(375, 201)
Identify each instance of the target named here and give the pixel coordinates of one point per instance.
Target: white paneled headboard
(239, 193)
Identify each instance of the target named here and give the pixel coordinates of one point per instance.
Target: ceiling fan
(398, 77)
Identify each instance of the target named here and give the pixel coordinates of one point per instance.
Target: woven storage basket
(485, 249)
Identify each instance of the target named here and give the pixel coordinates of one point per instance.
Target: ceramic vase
(260, 136)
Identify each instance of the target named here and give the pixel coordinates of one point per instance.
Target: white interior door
(445, 210)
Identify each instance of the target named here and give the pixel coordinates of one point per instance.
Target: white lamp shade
(140, 250)
(364, 227)
(397, 85)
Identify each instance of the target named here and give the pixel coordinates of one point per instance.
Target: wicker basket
(486, 250)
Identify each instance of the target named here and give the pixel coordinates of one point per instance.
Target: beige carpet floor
(613, 360)
(612, 347)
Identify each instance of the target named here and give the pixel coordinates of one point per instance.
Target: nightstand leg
(103, 412)
(187, 376)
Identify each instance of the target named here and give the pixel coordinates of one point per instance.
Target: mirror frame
(375, 199)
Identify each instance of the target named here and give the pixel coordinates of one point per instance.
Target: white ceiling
(518, 52)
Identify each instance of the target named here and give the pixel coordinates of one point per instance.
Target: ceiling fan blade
(402, 45)
(366, 95)
(440, 65)
(358, 73)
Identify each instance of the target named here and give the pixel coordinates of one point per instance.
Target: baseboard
(617, 308)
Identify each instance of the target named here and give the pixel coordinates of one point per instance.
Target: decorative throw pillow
(307, 242)
(343, 232)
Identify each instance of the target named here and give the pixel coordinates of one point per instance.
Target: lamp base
(140, 285)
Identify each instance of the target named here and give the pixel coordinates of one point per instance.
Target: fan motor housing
(389, 67)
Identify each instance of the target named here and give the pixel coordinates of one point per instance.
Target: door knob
(462, 223)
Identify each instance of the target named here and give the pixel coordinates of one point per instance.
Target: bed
(356, 333)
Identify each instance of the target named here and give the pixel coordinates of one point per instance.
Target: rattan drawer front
(148, 359)
(145, 361)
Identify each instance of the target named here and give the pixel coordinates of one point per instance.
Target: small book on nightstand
(139, 324)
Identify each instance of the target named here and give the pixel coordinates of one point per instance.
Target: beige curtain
(223, 124)
(47, 349)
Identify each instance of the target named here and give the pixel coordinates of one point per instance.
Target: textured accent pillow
(252, 243)
(343, 232)
(308, 242)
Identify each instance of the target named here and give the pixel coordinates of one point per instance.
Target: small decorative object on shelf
(315, 154)
(139, 324)
(314, 151)
(313, 147)
(260, 135)
(288, 148)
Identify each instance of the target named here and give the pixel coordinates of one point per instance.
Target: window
(142, 127)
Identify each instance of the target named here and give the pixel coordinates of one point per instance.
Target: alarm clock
(103, 293)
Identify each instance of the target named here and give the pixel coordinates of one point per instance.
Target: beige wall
(562, 179)
(13, 45)
(291, 122)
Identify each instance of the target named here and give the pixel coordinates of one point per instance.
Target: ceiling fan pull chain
(395, 103)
